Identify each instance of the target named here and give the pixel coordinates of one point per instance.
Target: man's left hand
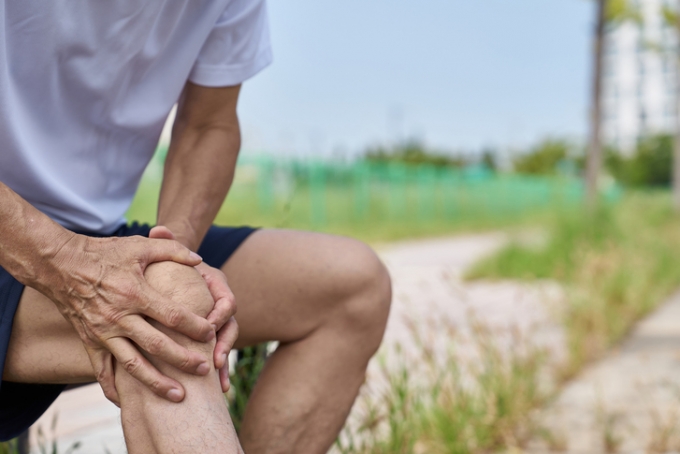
(222, 315)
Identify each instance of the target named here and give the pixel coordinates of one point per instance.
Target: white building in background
(639, 96)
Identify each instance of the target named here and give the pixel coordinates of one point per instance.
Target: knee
(369, 292)
(182, 284)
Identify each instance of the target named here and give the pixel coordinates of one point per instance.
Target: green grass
(379, 208)
(616, 266)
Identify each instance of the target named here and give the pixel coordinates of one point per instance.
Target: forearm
(198, 174)
(29, 240)
(201, 161)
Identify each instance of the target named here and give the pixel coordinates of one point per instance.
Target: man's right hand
(98, 285)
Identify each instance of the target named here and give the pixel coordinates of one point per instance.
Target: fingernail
(214, 327)
(224, 359)
(210, 336)
(195, 256)
(203, 369)
(175, 395)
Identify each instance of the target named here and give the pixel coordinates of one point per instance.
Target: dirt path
(428, 285)
(629, 402)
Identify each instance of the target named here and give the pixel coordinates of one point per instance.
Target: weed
(664, 432)
(9, 447)
(449, 405)
(246, 372)
(48, 445)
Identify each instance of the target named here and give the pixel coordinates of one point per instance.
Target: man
(85, 87)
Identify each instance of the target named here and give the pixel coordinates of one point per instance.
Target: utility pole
(594, 158)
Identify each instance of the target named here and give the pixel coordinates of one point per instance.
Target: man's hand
(221, 317)
(98, 285)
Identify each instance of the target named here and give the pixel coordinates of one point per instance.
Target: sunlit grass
(446, 404)
(616, 266)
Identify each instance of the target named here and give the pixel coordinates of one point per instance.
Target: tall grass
(447, 404)
(616, 265)
(9, 447)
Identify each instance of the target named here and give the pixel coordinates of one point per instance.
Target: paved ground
(427, 287)
(631, 397)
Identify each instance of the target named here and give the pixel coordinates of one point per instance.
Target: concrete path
(629, 402)
(428, 286)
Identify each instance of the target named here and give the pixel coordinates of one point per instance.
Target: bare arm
(198, 173)
(98, 285)
(200, 166)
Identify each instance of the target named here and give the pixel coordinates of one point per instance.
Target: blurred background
(512, 163)
(410, 119)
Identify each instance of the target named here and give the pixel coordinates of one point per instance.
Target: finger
(226, 338)
(225, 304)
(224, 378)
(102, 364)
(140, 368)
(161, 346)
(164, 250)
(161, 232)
(175, 316)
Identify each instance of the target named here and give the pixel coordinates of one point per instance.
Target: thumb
(166, 250)
(161, 232)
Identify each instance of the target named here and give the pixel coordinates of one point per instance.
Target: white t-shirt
(85, 87)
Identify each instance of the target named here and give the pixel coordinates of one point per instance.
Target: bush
(650, 164)
(546, 158)
(413, 152)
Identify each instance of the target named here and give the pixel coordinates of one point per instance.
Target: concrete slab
(631, 397)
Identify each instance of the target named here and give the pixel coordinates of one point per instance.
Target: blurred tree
(544, 158)
(490, 159)
(609, 15)
(650, 165)
(413, 152)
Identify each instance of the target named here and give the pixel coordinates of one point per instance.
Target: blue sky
(457, 74)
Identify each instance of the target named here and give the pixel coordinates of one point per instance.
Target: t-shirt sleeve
(237, 48)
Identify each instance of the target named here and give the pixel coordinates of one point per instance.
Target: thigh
(288, 283)
(44, 347)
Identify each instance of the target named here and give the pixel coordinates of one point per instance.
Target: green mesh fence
(362, 192)
(375, 201)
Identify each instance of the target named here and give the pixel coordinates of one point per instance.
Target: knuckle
(132, 365)
(231, 305)
(101, 377)
(130, 291)
(155, 345)
(186, 362)
(174, 317)
(155, 385)
(110, 317)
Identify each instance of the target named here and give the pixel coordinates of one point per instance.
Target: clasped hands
(98, 285)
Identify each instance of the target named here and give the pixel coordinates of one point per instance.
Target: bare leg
(201, 422)
(45, 349)
(326, 299)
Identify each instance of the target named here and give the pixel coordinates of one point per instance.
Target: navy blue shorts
(22, 404)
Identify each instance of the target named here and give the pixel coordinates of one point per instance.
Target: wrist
(183, 233)
(49, 254)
